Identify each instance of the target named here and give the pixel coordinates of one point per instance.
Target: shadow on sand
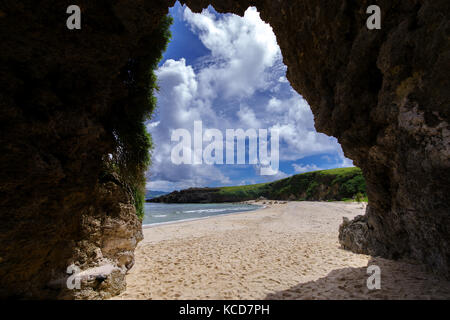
(399, 280)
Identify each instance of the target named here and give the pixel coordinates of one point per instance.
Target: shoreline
(157, 224)
(284, 251)
(253, 202)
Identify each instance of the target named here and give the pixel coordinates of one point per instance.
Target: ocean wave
(217, 210)
(184, 212)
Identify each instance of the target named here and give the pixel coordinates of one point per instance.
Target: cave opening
(74, 138)
(227, 71)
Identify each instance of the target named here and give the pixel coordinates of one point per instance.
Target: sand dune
(287, 251)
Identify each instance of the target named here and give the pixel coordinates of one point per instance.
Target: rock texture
(354, 234)
(60, 92)
(324, 185)
(383, 93)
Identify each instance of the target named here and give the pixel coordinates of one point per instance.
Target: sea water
(157, 213)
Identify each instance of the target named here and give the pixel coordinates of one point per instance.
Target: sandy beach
(285, 251)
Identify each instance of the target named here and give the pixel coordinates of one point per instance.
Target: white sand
(287, 251)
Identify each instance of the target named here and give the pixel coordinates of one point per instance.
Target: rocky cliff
(323, 185)
(383, 93)
(65, 94)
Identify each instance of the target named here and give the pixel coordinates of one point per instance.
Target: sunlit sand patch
(286, 251)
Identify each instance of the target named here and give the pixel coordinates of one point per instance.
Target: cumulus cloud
(298, 168)
(248, 118)
(242, 48)
(179, 105)
(275, 176)
(240, 84)
(293, 118)
(343, 161)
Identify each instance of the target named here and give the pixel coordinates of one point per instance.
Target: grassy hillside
(333, 184)
(326, 185)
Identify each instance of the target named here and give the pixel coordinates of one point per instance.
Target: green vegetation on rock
(133, 143)
(343, 184)
(333, 184)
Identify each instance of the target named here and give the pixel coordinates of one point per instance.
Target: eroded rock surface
(354, 234)
(60, 93)
(383, 93)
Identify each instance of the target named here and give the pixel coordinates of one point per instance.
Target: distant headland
(325, 185)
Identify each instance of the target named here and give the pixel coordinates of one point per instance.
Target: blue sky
(227, 71)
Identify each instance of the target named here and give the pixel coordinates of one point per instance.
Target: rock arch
(383, 93)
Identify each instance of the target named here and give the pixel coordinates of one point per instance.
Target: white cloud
(179, 105)
(243, 48)
(248, 118)
(293, 118)
(274, 105)
(347, 163)
(277, 176)
(298, 168)
(343, 161)
(153, 124)
(245, 61)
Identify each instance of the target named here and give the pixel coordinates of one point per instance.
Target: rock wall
(383, 93)
(60, 92)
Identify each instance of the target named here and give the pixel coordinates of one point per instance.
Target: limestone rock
(382, 93)
(353, 235)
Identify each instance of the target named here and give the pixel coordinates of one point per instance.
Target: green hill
(153, 194)
(324, 185)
